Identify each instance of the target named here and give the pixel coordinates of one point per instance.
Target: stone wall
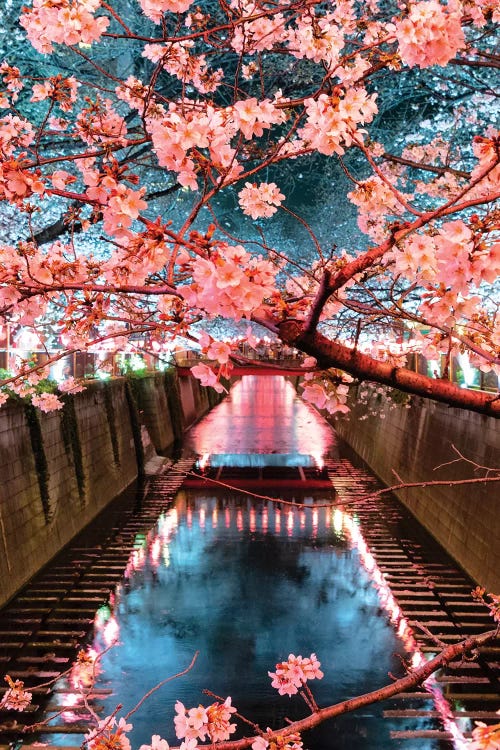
(412, 442)
(59, 470)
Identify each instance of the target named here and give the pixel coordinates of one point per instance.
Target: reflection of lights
(203, 461)
(70, 700)
(253, 522)
(227, 518)
(166, 556)
(289, 522)
(302, 517)
(168, 523)
(314, 522)
(202, 515)
(102, 616)
(111, 631)
(337, 521)
(155, 552)
(239, 520)
(277, 520)
(318, 459)
(403, 628)
(265, 519)
(189, 517)
(214, 517)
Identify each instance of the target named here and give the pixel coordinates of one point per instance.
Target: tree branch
(333, 354)
(411, 680)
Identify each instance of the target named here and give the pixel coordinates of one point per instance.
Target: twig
(160, 684)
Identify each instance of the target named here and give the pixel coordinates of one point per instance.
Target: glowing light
(202, 516)
(111, 631)
(265, 519)
(155, 551)
(253, 520)
(318, 459)
(289, 522)
(403, 629)
(239, 520)
(215, 517)
(337, 516)
(277, 520)
(203, 461)
(227, 518)
(314, 523)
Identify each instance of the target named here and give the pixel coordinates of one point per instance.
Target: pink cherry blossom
(260, 200)
(15, 698)
(429, 35)
(47, 402)
(295, 672)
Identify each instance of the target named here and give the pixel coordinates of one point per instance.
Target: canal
(226, 571)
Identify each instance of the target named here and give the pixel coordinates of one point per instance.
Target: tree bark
(364, 367)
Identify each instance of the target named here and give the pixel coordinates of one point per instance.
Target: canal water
(245, 582)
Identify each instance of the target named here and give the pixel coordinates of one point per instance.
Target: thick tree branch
(411, 680)
(333, 354)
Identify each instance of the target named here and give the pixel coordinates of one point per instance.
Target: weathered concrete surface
(413, 442)
(58, 474)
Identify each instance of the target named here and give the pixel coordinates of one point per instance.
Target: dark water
(245, 584)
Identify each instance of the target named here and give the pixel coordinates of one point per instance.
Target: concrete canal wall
(59, 470)
(465, 519)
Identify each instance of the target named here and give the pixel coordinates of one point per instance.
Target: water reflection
(246, 583)
(262, 423)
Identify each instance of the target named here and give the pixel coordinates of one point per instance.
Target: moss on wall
(135, 423)
(41, 464)
(71, 438)
(111, 419)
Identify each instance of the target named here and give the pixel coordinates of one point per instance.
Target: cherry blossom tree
(173, 114)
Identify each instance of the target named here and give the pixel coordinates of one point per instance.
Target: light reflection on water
(246, 583)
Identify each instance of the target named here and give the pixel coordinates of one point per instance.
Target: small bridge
(254, 366)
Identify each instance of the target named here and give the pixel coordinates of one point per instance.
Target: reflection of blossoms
(290, 675)
(197, 723)
(16, 698)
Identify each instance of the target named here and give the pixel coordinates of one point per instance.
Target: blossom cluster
(155, 9)
(292, 674)
(485, 737)
(230, 282)
(180, 132)
(189, 68)
(11, 77)
(292, 741)
(429, 35)
(62, 22)
(199, 723)
(15, 698)
(109, 733)
(260, 200)
(332, 121)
